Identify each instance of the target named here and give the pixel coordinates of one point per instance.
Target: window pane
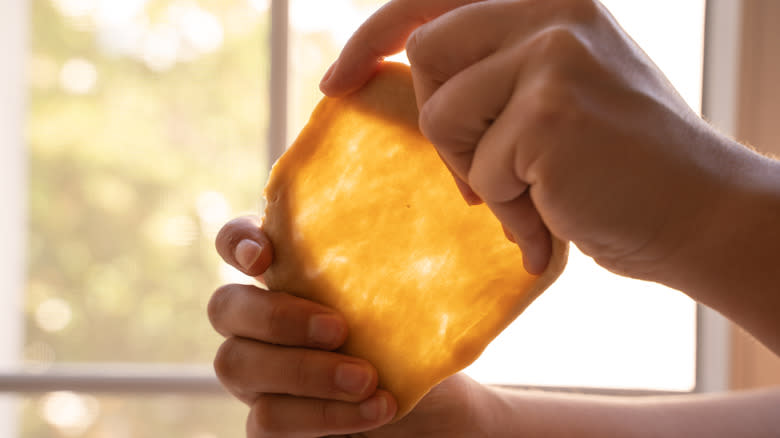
(592, 328)
(595, 329)
(76, 415)
(318, 31)
(146, 131)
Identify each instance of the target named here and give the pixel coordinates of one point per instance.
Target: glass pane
(75, 415)
(592, 328)
(318, 31)
(147, 122)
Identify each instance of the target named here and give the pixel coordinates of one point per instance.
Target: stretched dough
(366, 219)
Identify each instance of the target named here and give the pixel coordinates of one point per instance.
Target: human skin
(291, 380)
(551, 114)
(547, 111)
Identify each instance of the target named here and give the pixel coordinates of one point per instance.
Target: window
(148, 124)
(601, 330)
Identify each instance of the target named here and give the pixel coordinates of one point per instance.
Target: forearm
(531, 413)
(732, 263)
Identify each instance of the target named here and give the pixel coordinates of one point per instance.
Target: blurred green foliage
(111, 416)
(115, 178)
(134, 165)
(115, 231)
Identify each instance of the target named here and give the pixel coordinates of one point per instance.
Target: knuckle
(559, 43)
(325, 414)
(228, 236)
(227, 359)
(413, 46)
(301, 375)
(279, 316)
(418, 47)
(424, 53)
(553, 102)
(433, 119)
(216, 306)
(550, 107)
(364, 40)
(263, 418)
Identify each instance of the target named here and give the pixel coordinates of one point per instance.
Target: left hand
(266, 335)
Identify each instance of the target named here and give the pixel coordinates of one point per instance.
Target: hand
(279, 358)
(554, 117)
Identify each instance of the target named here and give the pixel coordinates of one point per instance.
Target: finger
(275, 317)
(508, 234)
(469, 196)
(493, 173)
(458, 114)
(530, 233)
(277, 415)
(439, 49)
(383, 34)
(249, 368)
(432, 65)
(242, 243)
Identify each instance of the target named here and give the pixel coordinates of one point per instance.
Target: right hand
(554, 117)
(279, 358)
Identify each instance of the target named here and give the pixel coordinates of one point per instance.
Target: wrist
(497, 413)
(730, 262)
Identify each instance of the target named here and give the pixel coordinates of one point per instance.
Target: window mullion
(115, 378)
(719, 106)
(278, 86)
(13, 178)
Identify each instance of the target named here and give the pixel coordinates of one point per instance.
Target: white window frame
(721, 61)
(720, 85)
(14, 26)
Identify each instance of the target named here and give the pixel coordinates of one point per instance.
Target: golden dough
(366, 219)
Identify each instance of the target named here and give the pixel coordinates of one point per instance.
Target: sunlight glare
(161, 48)
(199, 28)
(229, 274)
(260, 5)
(72, 414)
(78, 76)
(76, 8)
(112, 13)
(53, 314)
(213, 210)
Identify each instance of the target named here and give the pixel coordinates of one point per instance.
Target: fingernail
(247, 253)
(327, 75)
(374, 408)
(352, 378)
(325, 329)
